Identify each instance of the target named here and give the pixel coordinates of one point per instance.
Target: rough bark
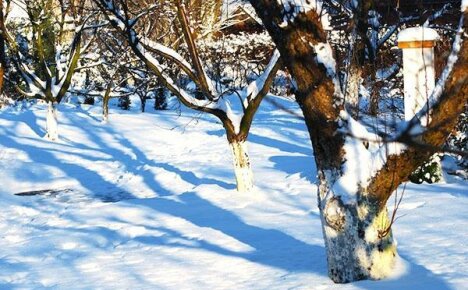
(357, 55)
(242, 169)
(358, 238)
(105, 103)
(315, 88)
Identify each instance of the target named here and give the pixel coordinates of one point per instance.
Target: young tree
(211, 97)
(44, 68)
(358, 170)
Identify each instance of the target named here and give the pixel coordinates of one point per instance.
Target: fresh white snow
(418, 33)
(148, 201)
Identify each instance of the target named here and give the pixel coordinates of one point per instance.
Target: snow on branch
(258, 86)
(292, 8)
(365, 154)
(143, 49)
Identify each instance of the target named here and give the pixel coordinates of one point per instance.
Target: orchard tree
(209, 96)
(48, 59)
(358, 170)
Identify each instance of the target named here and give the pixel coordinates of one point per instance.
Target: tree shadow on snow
(271, 247)
(136, 164)
(304, 165)
(29, 119)
(191, 178)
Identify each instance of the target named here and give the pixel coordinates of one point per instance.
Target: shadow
(454, 189)
(31, 120)
(136, 164)
(11, 268)
(271, 247)
(269, 142)
(190, 177)
(304, 165)
(89, 179)
(281, 145)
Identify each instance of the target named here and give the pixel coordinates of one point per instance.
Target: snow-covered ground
(148, 201)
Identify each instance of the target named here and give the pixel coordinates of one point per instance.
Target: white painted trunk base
(242, 169)
(105, 110)
(355, 251)
(51, 122)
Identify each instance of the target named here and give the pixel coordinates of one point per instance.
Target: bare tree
(48, 67)
(358, 170)
(210, 97)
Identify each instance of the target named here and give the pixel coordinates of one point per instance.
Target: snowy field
(148, 201)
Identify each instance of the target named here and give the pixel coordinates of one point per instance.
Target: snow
(292, 8)
(148, 201)
(417, 34)
(464, 5)
(452, 59)
(18, 10)
(365, 155)
(254, 88)
(325, 57)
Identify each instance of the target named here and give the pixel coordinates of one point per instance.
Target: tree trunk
(105, 103)
(354, 81)
(51, 122)
(242, 169)
(143, 103)
(358, 239)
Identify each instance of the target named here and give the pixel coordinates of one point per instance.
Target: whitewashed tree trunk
(242, 169)
(359, 243)
(51, 122)
(105, 110)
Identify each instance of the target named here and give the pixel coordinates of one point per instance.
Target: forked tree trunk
(51, 122)
(242, 169)
(358, 239)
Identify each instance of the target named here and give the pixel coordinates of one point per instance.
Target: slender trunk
(51, 122)
(143, 103)
(358, 239)
(105, 103)
(354, 81)
(242, 169)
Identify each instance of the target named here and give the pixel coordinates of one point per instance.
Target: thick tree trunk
(242, 169)
(51, 122)
(358, 239)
